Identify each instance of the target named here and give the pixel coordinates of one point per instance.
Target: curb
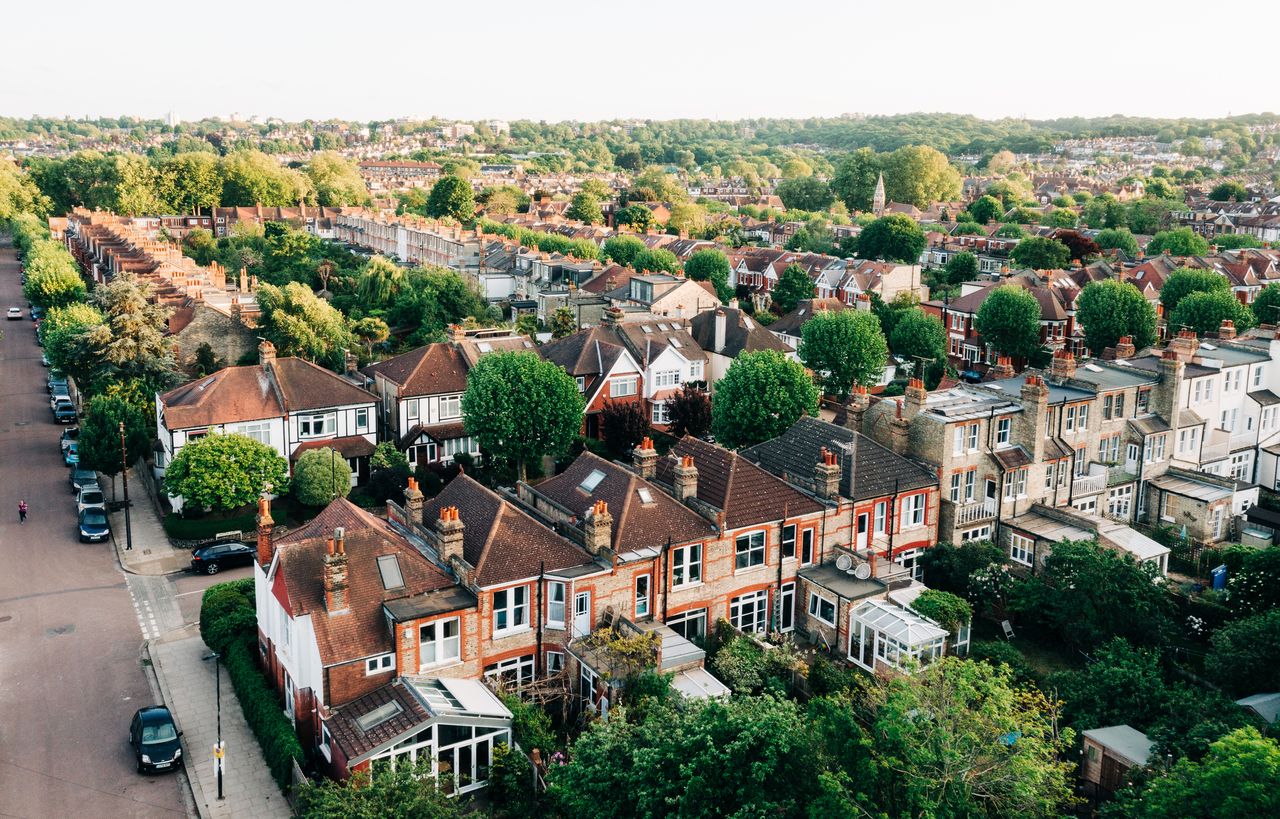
(193, 781)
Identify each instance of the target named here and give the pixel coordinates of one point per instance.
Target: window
(1082, 417)
(913, 511)
(510, 608)
(789, 540)
(695, 371)
(555, 662)
(621, 387)
(450, 407)
(749, 551)
(1106, 407)
(981, 533)
(362, 419)
(1048, 477)
(439, 642)
(958, 445)
(1015, 484)
(516, 669)
(592, 480)
(1090, 505)
(555, 604)
(642, 595)
(1082, 461)
(1069, 420)
(1119, 501)
(955, 487)
(666, 378)
(379, 664)
(1021, 549)
(389, 569)
(806, 546)
(1003, 426)
(324, 424)
(1257, 376)
(750, 612)
(686, 565)
(787, 607)
(1268, 415)
(411, 409)
(970, 478)
(691, 625)
(881, 513)
(822, 609)
(661, 413)
(1120, 405)
(957, 321)
(973, 438)
(582, 387)
(258, 432)
(1144, 400)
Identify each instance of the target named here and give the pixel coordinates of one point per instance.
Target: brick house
(603, 368)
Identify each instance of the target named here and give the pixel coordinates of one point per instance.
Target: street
(72, 623)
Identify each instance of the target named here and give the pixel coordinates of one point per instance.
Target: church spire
(877, 199)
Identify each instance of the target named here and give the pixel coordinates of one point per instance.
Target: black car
(57, 382)
(94, 525)
(155, 739)
(80, 478)
(212, 558)
(65, 413)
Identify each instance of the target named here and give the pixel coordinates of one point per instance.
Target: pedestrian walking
(22, 511)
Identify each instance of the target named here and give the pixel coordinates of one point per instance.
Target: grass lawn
(1044, 656)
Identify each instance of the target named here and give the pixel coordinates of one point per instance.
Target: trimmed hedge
(180, 528)
(228, 625)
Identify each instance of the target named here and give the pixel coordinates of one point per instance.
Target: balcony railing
(975, 512)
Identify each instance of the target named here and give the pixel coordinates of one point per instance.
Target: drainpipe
(665, 558)
(893, 520)
(782, 534)
(537, 660)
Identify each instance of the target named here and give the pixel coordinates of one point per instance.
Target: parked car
(212, 558)
(57, 382)
(44, 359)
(81, 478)
(69, 436)
(59, 395)
(91, 497)
(155, 739)
(65, 413)
(14, 314)
(94, 526)
(71, 455)
(37, 312)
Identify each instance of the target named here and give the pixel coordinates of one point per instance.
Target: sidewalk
(151, 553)
(187, 685)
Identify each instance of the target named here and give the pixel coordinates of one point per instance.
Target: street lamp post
(124, 471)
(219, 751)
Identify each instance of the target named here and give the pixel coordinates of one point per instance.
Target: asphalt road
(70, 669)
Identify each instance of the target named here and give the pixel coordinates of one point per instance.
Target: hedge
(228, 626)
(180, 528)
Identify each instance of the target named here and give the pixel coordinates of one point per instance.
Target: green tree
(1081, 587)
(1123, 684)
(433, 298)
(200, 245)
(520, 407)
(1009, 320)
(1205, 312)
(946, 609)
(710, 265)
(804, 193)
(855, 179)
(1244, 652)
(1061, 217)
(968, 229)
(1041, 253)
(337, 180)
(132, 342)
(794, 285)
(1185, 280)
(1255, 586)
(920, 175)
(563, 322)
(406, 790)
(623, 249)
(370, 330)
(656, 260)
(986, 209)
(918, 335)
(961, 267)
(320, 476)
(624, 424)
(1235, 241)
(950, 567)
(253, 178)
(1110, 309)
(761, 395)
(225, 472)
(453, 198)
(1010, 231)
(60, 327)
(53, 279)
(687, 219)
(1228, 191)
(1146, 215)
(585, 208)
(844, 348)
(690, 412)
(1240, 776)
(638, 217)
(302, 324)
(100, 434)
(893, 238)
(1178, 242)
(191, 182)
(379, 281)
(1118, 239)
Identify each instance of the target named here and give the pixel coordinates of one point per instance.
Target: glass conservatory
(884, 636)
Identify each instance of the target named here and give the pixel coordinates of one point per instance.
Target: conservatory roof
(906, 627)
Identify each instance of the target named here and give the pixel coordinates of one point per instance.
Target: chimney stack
(1125, 348)
(449, 531)
(266, 353)
(899, 432)
(645, 459)
(599, 529)
(827, 476)
(457, 334)
(335, 573)
(266, 549)
(859, 401)
(1184, 345)
(352, 363)
(1063, 365)
(612, 316)
(685, 484)
(1227, 330)
(915, 395)
(863, 302)
(413, 502)
(720, 330)
(1003, 368)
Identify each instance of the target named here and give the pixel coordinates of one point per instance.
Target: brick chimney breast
(827, 475)
(266, 548)
(449, 532)
(413, 501)
(645, 459)
(685, 483)
(335, 573)
(599, 529)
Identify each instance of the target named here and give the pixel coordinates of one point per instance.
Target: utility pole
(124, 472)
(219, 750)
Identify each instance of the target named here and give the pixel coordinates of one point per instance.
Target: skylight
(378, 716)
(485, 347)
(646, 496)
(590, 483)
(675, 343)
(1093, 368)
(389, 567)
(662, 327)
(646, 328)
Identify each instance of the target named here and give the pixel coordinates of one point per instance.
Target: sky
(570, 60)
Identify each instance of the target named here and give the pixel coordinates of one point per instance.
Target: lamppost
(124, 471)
(219, 751)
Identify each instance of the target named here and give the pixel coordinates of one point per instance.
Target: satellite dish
(863, 571)
(843, 562)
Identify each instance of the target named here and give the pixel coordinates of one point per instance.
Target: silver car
(91, 497)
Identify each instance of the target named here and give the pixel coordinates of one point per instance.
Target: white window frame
(327, 421)
(623, 386)
(554, 605)
(750, 612)
(666, 379)
(362, 419)
(790, 534)
(380, 664)
(686, 566)
(1022, 549)
(973, 437)
(749, 551)
(817, 605)
(1004, 429)
(643, 595)
(880, 517)
(691, 616)
(260, 432)
(447, 649)
(660, 413)
(515, 605)
(553, 666)
(913, 511)
(450, 407)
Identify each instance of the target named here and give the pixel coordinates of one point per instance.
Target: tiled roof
(805, 310)
(307, 386)
(350, 446)
(746, 493)
(361, 629)
(741, 333)
(436, 369)
(501, 541)
(355, 741)
(636, 523)
(877, 471)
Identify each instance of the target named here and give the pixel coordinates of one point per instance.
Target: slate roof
(499, 540)
(877, 471)
(636, 524)
(360, 630)
(741, 333)
(253, 393)
(728, 481)
(790, 323)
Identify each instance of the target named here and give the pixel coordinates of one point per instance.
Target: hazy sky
(564, 59)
